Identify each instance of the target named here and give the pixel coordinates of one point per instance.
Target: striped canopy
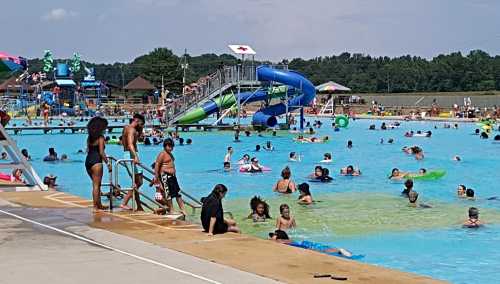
(331, 87)
(11, 63)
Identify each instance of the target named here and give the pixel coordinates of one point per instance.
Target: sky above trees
(120, 30)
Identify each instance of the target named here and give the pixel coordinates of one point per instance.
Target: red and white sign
(242, 49)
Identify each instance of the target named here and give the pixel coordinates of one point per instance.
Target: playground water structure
(294, 86)
(363, 214)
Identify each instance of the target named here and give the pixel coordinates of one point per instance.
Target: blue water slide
(267, 116)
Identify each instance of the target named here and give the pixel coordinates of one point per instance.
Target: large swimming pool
(364, 214)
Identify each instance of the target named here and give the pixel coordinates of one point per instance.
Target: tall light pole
(184, 66)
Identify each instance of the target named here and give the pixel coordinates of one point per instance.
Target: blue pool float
(323, 249)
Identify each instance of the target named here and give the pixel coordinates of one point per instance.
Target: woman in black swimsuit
(95, 157)
(285, 185)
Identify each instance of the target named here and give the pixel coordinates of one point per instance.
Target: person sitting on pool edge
(260, 210)
(350, 171)
(413, 197)
(473, 220)
(285, 185)
(305, 197)
(408, 188)
(212, 213)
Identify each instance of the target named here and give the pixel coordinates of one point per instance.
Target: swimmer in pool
(457, 158)
(408, 188)
(318, 173)
(326, 176)
(305, 197)
(461, 189)
(327, 158)
(350, 171)
(260, 210)
(397, 174)
(473, 220)
(285, 184)
(257, 148)
(244, 160)
(413, 197)
(286, 220)
(268, 146)
(349, 144)
(254, 166)
(469, 194)
(227, 166)
(419, 154)
(293, 157)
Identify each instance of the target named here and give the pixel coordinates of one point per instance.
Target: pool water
(363, 214)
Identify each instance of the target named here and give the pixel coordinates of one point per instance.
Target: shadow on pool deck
(272, 260)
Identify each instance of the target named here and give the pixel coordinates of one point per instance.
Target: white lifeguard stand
(33, 181)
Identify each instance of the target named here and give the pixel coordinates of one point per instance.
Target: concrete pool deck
(227, 258)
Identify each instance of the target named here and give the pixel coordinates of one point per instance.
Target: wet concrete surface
(228, 258)
(34, 254)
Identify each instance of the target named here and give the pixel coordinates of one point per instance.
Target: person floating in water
(349, 144)
(260, 210)
(413, 197)
(285, 184)
(350, 171)
(283, 223)
(305, 196)
(473, 220)
(396, 174)
(165, 175)
(227, 166)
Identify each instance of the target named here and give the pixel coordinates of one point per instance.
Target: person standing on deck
(130, 136)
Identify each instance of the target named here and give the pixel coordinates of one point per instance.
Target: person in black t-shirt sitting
(212, 213)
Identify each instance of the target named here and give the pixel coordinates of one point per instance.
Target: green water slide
(230, 100)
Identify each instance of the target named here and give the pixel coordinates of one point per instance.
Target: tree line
(476, 71)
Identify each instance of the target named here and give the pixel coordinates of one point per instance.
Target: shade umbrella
(11, 63)
(331, 87)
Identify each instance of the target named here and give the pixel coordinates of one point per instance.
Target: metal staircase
(211, 87)
(148, 174)
(33, 181)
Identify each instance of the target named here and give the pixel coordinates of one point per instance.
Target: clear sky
(120, 30)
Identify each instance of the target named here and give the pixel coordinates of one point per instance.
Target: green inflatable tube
(341, 121)
(430, 175)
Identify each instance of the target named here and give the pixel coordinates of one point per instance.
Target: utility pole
(184, 66)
